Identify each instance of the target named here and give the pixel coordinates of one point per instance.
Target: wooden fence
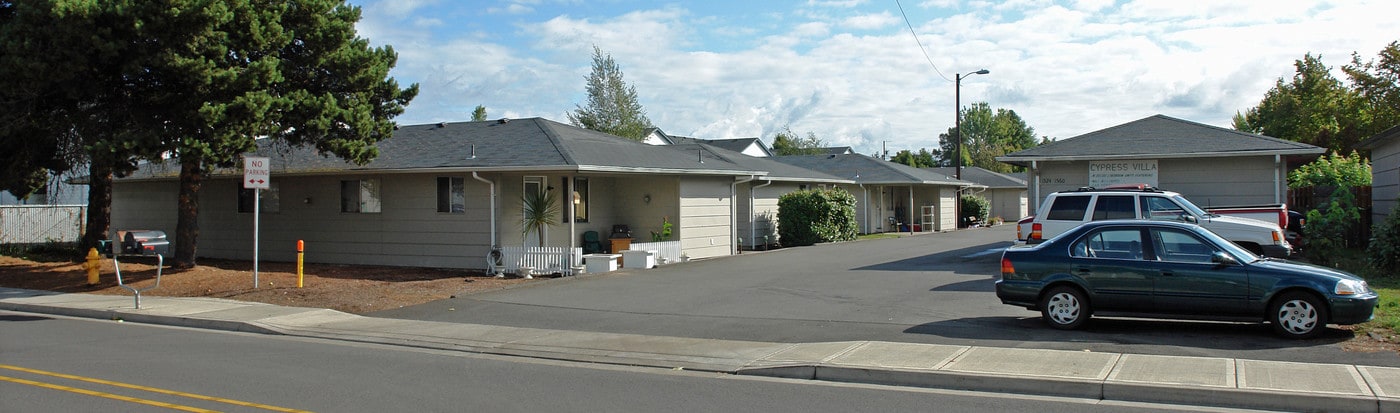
(1310, 198)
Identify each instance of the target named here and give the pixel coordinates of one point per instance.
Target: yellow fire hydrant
(94, 262)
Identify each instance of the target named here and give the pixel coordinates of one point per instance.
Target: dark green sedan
(1175, 270)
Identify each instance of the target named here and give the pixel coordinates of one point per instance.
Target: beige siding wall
(764, 211)
(146, 205)
(1205, 181)
(704, 227)
(1385, 180)
(408, 232)
(1009, 204)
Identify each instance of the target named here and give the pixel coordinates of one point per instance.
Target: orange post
(301, 249)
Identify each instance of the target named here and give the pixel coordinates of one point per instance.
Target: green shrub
(1328, 225)
(974, 208)
(809, 217)
(1384, 252)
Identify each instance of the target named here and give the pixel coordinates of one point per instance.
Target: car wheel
(1065, 308)
(1298, 315)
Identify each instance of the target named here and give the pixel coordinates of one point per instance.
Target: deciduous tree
(612, 104)
(787, 142)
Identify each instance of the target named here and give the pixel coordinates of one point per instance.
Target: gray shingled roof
(983, 177)
(1380, 139)
(1162, 137)
(733, 144)
(867, 170)
(777, 171)
(532, 144)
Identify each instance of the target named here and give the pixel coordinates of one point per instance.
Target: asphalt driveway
(932, 288)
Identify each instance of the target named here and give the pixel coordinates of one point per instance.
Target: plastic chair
(591, 244)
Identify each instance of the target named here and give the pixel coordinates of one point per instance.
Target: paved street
(934, 288)
(60, 364)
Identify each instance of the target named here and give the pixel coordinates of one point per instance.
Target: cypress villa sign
(1105, 173)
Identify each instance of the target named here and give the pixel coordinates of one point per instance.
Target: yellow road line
(151, 389)
(107, 395)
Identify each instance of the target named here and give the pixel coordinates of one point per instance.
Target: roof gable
(1161, 136)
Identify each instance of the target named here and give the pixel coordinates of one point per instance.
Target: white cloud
(870, 21)
(1067, 68)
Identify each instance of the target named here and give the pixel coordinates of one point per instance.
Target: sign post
(257, 176)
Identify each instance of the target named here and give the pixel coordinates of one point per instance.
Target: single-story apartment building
(1006, 193)
(1211, 166)
(890, 197)
(1385, 172)
(446, 194)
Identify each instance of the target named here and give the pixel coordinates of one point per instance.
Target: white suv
(1064, 210)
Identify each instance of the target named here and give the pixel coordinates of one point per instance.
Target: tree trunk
(187, 223)
(99, 211)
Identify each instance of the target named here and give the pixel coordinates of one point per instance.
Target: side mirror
(1185, 217)
(1220, 257)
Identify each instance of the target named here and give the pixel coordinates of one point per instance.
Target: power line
(921, 44)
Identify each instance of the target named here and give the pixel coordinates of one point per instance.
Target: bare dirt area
(352, 289)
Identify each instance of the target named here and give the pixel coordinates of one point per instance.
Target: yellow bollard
(94, 262)
(301, 248)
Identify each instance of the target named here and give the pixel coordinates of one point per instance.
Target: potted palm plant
(541, 210)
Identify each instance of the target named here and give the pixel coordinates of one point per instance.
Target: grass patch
(878, 235)
(1387, 315)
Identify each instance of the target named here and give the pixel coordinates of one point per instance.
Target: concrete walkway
(1194, 381)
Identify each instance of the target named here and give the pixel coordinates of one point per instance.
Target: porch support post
(910, 210)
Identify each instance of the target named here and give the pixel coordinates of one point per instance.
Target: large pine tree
(202, 79)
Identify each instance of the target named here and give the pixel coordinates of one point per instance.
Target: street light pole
(957, 145)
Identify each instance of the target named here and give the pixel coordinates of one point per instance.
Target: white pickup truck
(1064, 210)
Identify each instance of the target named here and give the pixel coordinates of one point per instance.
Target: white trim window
(451, 195)
(360, 196)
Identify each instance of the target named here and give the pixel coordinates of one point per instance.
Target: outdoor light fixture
(957, 144)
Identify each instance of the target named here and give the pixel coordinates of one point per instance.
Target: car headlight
(1352, 287)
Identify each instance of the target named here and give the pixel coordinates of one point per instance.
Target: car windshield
(1241, 254)
(1195, 210)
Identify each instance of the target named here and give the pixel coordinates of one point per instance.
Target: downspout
(753, 192)
(493, 205)
(734, 210)
(1278, 168)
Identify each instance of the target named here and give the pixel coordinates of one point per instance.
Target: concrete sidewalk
(1195, 381)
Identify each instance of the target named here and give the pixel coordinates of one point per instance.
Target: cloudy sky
(852, 72)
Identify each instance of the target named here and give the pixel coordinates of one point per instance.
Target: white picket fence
(543, 259)
(38, 224)
(667, 252)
